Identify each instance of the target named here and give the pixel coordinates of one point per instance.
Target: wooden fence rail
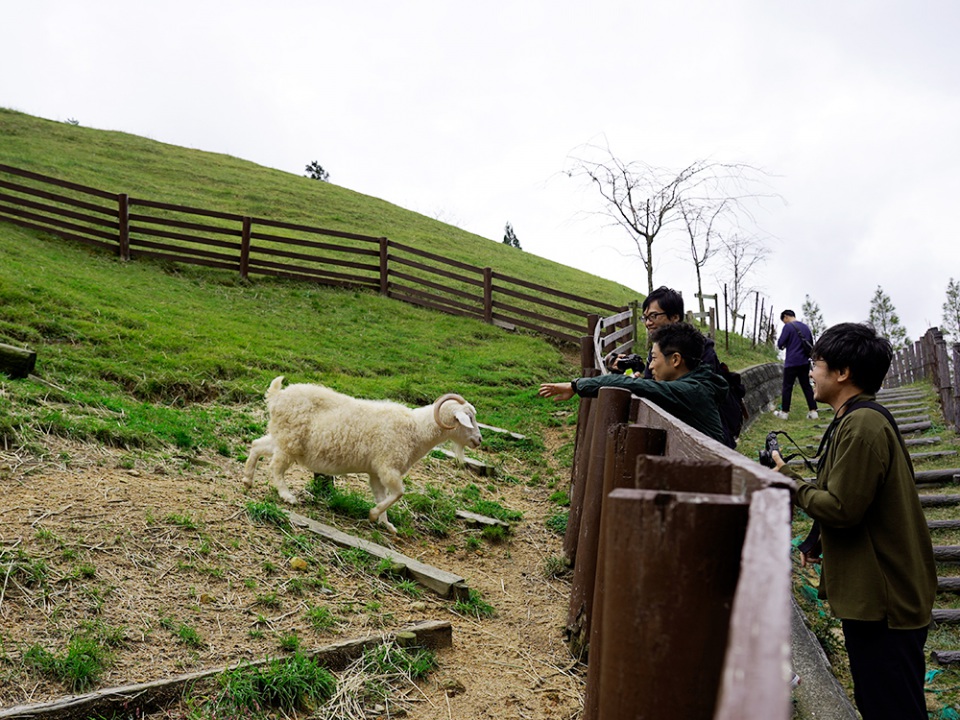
(680, 546)
(135, 228)
(930, 358)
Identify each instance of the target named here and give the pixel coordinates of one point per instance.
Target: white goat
(331, 434)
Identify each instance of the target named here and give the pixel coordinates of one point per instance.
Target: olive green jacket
(694, 398)
(877, 554)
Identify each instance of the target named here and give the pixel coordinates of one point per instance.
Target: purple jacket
(790, 340)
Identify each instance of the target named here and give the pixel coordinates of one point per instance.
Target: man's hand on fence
(558, 391)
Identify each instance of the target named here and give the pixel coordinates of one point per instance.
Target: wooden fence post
(612, 407)
(581, 450)
(488, 295)
(384, 269)
(245, 247)
(16, 362)
(673, 561)
(123, 219)
(624, 444)
(956, 387)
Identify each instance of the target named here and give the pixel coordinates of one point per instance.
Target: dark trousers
(799, 373)
(888, 670)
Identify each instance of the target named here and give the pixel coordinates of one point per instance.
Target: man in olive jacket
(878, 571)
(682, 385)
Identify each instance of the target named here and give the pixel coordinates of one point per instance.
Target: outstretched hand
(558, 391)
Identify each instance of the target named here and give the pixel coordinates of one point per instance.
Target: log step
(945, 475)
(946, 553)
(939, 500)
(946, 616)
(948, 584)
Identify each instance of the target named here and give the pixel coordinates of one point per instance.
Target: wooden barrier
(681, 567)
(137, 228)
(930, 358)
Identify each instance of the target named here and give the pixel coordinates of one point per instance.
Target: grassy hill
(142, 354)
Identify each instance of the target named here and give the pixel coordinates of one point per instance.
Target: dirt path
(161, 556)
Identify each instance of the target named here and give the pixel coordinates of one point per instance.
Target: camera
(771, 445)
(621, 363)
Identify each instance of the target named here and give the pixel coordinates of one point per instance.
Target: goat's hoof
(289, 498)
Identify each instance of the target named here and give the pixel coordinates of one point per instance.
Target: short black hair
(857, 347)
(681, 338)
(670, 301)
(791, 313)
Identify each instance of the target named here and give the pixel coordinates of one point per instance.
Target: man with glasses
(878, 571)
(664, 306)
(681, 384)
(797, 339)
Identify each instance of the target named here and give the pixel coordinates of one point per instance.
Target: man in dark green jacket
(681, 385)
(878, 571)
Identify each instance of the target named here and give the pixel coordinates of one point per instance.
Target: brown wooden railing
(930, 358)
(680, 546)
(137, 228)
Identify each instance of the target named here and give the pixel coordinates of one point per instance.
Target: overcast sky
(470, 113)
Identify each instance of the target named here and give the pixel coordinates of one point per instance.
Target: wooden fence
(681, 583)
(138, 228)
(930, 358)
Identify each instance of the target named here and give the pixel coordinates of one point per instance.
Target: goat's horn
(438, 403)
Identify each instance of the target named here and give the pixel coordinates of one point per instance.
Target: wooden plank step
(911, 419)
(137, 700)
(945, 657)
(939, 500)
(946, 616)
(943, 524)
(911, 442)
(934, 454)
(501, 431)
(481, 519)
(444, 583)
(913, 427)
(948, 584)
(946, 553)
(474, 465)
(948, 475)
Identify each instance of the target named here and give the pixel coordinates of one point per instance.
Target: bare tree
(741, 255)
(645, 200)
(700, 222)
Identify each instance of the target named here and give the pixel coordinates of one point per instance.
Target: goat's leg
(259, 448)
(278, 466)
(387, 489)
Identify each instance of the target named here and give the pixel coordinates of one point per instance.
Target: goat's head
(465, 430)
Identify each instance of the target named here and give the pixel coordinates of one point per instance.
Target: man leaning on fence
(681, 384)
(878, 570)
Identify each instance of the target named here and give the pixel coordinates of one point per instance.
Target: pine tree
(884, 319)
(812, 316)
(951, 311)
(510, 237)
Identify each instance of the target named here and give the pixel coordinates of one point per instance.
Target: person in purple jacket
(797, 339)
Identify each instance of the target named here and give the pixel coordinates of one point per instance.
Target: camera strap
(812, 541)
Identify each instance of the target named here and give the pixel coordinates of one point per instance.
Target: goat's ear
(464, 419)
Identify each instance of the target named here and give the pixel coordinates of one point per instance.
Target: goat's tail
(274, 388)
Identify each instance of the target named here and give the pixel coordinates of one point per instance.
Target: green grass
(287, 684)
(145, 355)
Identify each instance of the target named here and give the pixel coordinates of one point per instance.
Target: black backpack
(733, 411)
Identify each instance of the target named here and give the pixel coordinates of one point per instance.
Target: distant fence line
(930, 358)
(138, 228)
